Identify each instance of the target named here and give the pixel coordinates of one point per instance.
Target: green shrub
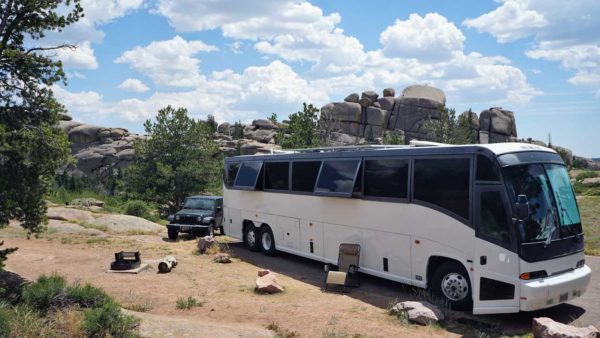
(586, 174)
(5, 316)
(87, 296)
(44, 293)
(190, 302)
(109, 321)
(137, 208)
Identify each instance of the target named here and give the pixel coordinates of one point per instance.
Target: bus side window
(444, 183)
(493, 221)
(232, 170)
(248, 174)
(277, 175)
(304, 175)
(386, 178)
(486, 170)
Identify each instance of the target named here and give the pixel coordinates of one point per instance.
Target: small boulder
(87, 202)
(389, 92)
(222, 258)
(376, 104)
(591, 181)
(365, 102)
(352, 98)
(423, 313)
(264, 124)
(205, 243)
(268, 283)
(223, 128)
(263, 272)
(544, 327)
(371, 95)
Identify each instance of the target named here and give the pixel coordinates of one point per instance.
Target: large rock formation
(97, 150)
(370, 116)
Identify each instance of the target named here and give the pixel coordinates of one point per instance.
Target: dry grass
(589, 206)
(68, 323)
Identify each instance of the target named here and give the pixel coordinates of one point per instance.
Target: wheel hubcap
(455, 286)
(250, 237)
(267, 241)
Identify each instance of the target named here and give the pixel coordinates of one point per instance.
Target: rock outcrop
(544, 327)
(370, 117)
(97, 150)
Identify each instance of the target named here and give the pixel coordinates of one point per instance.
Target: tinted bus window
(486, 170)
(304, 175)
(443, 182)
(277, 175)
(386, 178)
(232, 170)
(248, 174)
(337, 176)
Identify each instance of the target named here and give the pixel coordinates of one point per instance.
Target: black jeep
(200, 215)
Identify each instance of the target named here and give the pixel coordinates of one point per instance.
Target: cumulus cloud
(430, 38)
(168, 63)
(561, 33)
(292, 30)
(227, 95)
(133, 85)
(81, 57)
(511, 21)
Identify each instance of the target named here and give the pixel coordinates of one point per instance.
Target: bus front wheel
(267, 241)
(251, 237)
(451, 283)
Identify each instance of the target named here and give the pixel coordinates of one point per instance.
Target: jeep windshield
(199, 203)
(553, 208)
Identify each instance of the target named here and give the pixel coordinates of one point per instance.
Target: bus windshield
(551, 199)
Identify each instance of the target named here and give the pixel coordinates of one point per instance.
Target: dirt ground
(231, 307)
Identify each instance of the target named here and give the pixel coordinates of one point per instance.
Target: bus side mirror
(522, 207)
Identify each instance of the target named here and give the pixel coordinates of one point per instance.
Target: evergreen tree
(450, 129)
(179, 158)
(302, 129)
(32, 146)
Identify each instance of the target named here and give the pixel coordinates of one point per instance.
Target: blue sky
(243, 59)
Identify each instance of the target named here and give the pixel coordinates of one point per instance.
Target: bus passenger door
(496, 287)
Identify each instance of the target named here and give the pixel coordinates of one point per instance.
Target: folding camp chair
(346, 274)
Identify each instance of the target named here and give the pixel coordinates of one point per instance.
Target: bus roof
(437, 149)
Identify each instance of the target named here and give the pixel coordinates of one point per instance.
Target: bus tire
(451, 283)
(251, 237)
(267, 241)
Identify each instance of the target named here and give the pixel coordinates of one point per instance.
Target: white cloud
(561, 32)
(292, 30)
(133, 85)
(228, 95)
(430, 38)
(81, 57)
(511, 21)
(169, 62)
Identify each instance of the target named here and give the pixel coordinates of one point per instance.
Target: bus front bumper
(550, 291)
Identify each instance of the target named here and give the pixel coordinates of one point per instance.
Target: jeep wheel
(267, 241)
(173, 234)
(251, 237)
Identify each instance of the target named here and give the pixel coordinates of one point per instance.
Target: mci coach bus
(495, 228)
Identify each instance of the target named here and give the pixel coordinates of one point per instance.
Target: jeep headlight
(207, 220)
(177, 217)
(170, 218)
(199, 219)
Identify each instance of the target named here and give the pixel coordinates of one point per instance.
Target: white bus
(493, 227)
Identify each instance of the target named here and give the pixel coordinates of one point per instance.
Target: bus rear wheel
(451, 283)
(251, 237)
(267, 241)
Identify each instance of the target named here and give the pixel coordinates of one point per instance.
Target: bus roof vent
(346, 148)
(417, 143)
